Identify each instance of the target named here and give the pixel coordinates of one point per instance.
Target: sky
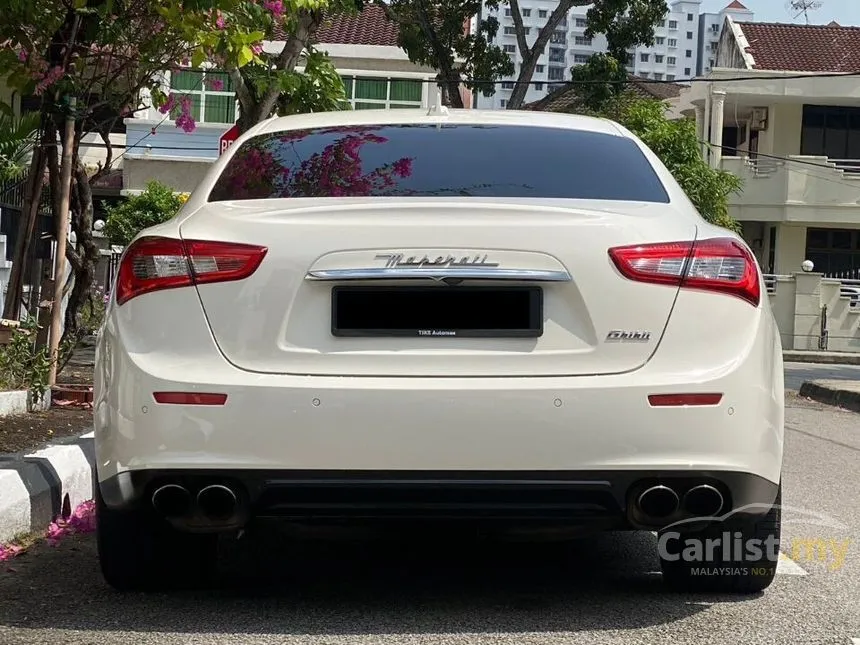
(845, 12)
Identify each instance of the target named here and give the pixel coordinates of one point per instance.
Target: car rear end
(390, 321)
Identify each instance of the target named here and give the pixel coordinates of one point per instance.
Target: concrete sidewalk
(844, 394)
(830, 358)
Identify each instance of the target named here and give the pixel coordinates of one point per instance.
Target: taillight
(720, 264)
(156, 263)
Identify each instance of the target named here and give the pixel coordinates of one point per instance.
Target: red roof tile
(370, 27)
(565, 99)
(736, 5)
(803, 48)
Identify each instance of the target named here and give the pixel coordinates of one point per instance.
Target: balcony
(799, 188)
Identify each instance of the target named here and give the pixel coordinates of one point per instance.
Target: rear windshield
(439, 161)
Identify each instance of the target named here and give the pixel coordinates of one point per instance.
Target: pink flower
(275, 6)
(9, 552)
(216, 84)
(53, 75)
(257, 49)
(169, 104)
(23, 55)
(220, 22)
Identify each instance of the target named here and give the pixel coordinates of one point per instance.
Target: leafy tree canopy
(157, 204)
(433, 33)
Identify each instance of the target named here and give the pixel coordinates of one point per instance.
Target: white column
(718, 101)
(700, 129)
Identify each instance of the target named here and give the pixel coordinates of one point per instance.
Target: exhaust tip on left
(172, 501)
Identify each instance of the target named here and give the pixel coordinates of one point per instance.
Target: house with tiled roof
(781, 110)
(363, 47)
(566, 99)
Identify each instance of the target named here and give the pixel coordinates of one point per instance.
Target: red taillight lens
(720, 264)
(156, 263)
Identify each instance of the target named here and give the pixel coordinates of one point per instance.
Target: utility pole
(62, 235)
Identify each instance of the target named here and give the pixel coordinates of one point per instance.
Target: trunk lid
(279, 320)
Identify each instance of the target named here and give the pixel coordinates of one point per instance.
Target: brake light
(720, 264)
(156, 263)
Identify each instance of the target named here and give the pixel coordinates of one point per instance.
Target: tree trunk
(26, 229)
(88, 252)
(254, 107)
(531, 56)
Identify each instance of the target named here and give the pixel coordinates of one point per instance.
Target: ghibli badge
(626, 336)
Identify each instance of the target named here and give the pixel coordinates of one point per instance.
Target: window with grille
(212, 97)
(367, 93)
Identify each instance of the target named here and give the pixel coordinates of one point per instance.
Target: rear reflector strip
(678, 400)
(189, 398)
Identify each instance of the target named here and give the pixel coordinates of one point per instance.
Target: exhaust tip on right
(703, 501)
(658, 502)
(217, 502)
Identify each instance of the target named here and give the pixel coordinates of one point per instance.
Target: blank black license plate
(494, 312)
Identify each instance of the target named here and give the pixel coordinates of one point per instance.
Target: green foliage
(676, 144)
(92, 313)
(599, 82)
(432, 34)
(625, 23)
(602, 91)
(22, 365)
(17, 137)
(319, 88)
(156, 204)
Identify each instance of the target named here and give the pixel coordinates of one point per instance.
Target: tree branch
(104, 133)
(531, 56)
(519, 28)
(246, 100)
(307, 25)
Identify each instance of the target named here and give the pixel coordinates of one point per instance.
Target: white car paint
(299, 398)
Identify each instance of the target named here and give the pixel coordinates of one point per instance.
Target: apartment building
(683, 41)
(710, 28)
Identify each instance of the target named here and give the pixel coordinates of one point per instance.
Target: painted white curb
(15, 402)
(38, 487)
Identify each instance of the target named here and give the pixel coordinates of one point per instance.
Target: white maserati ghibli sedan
(512, 319)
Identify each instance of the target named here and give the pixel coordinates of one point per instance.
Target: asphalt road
(797, 373)
(602, 589)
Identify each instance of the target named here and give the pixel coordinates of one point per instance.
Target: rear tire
(139, 551)
(727, 575)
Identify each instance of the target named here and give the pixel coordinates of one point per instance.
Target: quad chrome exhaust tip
(172, 501)
(658, 502)
(703, 501)
(217, 502)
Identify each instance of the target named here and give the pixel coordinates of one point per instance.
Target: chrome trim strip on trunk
(465, 273)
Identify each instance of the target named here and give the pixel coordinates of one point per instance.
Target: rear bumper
(594, 428)
(596, 499)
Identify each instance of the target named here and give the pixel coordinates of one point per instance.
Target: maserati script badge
(395, 260)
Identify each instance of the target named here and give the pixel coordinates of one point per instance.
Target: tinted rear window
(439, 161)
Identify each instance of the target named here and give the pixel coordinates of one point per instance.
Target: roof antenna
(439, 108)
